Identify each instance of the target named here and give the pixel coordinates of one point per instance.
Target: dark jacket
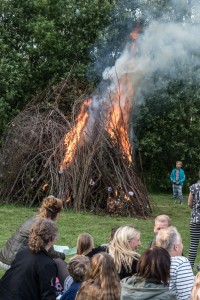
(123, 273)
(20, 239)
(31, 277)
(70, 294)
(134, 288)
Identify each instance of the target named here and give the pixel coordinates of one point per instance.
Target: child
(177, 178)
(102, 281)
(162, 221)
(77, 268)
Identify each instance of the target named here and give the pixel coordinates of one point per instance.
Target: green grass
(71, 224)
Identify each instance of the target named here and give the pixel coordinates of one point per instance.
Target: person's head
(179, 164)
(127, 237)
(85, 243)
(123, 247)
(113, 230)
(101, 281)
(78, 266)
(51, 208)
(154, 264)
(170, 239)
(42, 235)
(195, 295)
(161, 221)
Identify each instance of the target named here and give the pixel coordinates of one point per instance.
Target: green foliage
(168, 129)
(42, 41)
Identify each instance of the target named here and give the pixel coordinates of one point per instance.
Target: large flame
(73, 137)
(117, 114)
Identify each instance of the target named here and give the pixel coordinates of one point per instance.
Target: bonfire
(87, 162)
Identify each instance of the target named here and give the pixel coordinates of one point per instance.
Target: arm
(182, 177)
(47, 279)
(55, 254)
(190, 200)
(184, 281)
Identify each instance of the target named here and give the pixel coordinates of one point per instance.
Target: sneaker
(175, 202)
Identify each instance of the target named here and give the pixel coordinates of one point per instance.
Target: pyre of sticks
(99, 178)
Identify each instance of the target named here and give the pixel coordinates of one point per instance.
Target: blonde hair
(102, 281)
(120, 249)
(41, 233)
(85, 243)
(164, 218)
(167, 238)
(50, 207)
(195, 295)
(78, 266)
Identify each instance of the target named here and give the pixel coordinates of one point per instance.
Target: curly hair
(78, 266)
(120, 249)
(50, 207)
(85, 243)
(102, 281)
(41, 233)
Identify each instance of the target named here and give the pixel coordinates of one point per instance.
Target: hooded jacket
(135, 288)
(19, 240)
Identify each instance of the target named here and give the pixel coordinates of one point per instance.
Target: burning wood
(88, 163)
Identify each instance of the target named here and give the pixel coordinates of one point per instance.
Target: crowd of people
(112, 271)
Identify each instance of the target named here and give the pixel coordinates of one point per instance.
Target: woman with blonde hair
(102, 281)
(51, 208)
(85, 243)
(195, 295)
(123, 248)
(33, 272)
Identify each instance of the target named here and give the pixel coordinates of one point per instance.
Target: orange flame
(119, 114)
(73, 137)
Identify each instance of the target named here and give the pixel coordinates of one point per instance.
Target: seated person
(195, 295)
(50, 209)
(161, 221)
(103, 247)
(33, 272)
(77, 268)
(151, 280)
(123, 249)
(101, 281)
(181, 274)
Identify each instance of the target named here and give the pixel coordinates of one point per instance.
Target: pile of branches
(99, 179)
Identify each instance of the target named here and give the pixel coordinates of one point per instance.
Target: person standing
(177, 179)
(194, 203)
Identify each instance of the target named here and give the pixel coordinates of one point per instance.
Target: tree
(42, 41)
(168, 129)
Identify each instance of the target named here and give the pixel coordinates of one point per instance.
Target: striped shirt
(181, 277)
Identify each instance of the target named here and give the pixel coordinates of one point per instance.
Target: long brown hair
(41, 233)
(102, 281)
(50, 207)
(85, 243)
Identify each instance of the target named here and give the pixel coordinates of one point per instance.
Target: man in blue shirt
(177, 178)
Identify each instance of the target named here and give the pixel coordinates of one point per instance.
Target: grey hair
(167, 238)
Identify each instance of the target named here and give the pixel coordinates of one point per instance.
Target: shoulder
(195, 188)
(179, 260)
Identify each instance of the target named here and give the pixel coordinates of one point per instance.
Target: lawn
(71, 224)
